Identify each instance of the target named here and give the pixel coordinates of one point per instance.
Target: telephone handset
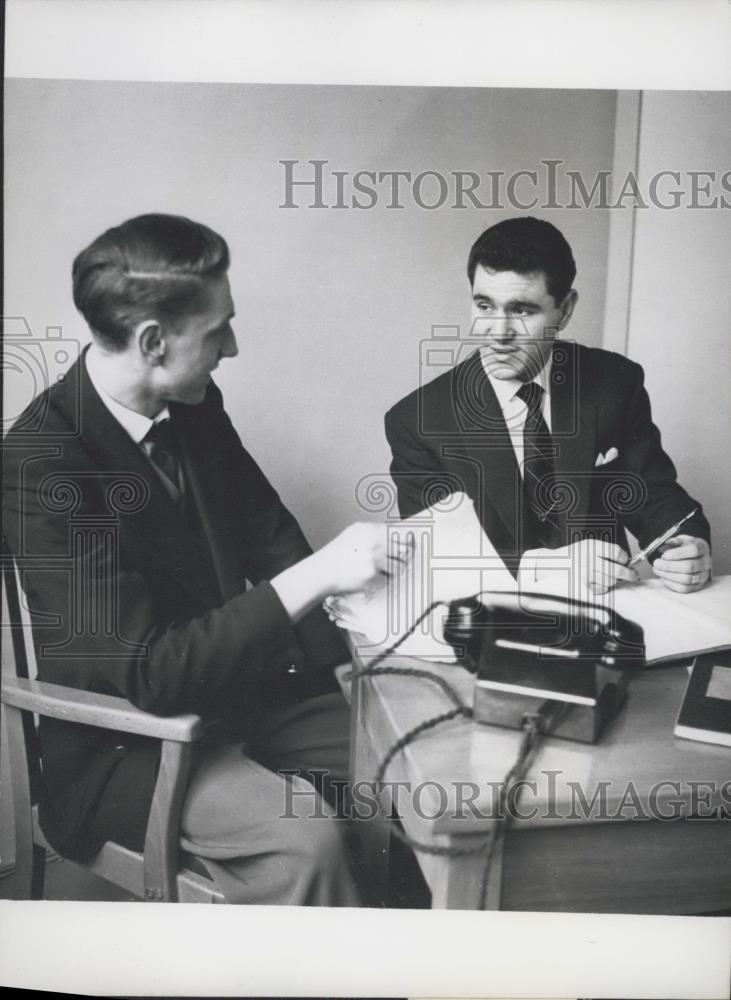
(530, 649)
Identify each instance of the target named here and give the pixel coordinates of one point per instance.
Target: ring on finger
(695, 578)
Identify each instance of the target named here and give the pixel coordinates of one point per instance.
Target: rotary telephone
(535, 653)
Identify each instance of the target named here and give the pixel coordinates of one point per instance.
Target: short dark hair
(527, 246)
(152, 266)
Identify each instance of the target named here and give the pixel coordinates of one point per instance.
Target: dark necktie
(538, 471)
(164, 452)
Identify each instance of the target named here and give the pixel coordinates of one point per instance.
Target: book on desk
(705, 714)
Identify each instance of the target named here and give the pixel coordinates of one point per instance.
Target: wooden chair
(156, 874)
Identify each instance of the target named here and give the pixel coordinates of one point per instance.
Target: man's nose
(502, 328)
(230, 348)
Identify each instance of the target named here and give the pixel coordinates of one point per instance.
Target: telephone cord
(534, 727)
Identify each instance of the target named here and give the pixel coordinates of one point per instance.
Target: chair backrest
(18, 660)
(156, 875)
(15, 621)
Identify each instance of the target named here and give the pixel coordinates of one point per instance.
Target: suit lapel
(158, 523)
(573, 425)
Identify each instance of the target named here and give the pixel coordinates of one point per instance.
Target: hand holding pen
(685, 563)
(660, 540)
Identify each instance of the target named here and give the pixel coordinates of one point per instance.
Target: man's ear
(151, 342)
(567, 308)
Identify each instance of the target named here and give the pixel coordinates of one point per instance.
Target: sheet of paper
(453, 558)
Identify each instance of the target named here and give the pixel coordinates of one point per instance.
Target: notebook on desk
(677, 627)
(705, 714)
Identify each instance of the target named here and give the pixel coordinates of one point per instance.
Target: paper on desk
(453, 558)
(677, 625)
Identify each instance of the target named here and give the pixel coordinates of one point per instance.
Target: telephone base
(580, 717)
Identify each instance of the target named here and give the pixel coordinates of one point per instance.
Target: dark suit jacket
(450, 435)
(131, 597)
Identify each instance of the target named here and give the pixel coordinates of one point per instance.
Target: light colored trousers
(264, 837)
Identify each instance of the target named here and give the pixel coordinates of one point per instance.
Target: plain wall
(332, 304)
(681, 299)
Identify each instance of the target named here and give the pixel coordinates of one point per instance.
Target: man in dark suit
(554, 442)
(138, 521)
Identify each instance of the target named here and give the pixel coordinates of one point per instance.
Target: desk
(619, 857)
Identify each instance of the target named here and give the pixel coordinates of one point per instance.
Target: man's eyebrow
(510, 304)
(522, 304)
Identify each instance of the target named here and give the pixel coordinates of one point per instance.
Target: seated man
(138, 519)
(553, 441)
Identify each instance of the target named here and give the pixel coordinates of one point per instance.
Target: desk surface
(638, 747)
(639, 771)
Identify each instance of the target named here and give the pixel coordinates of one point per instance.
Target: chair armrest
(92, 709)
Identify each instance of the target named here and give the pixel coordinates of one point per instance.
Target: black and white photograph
(366, 554)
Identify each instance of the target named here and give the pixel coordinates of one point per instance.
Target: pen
(543, 516)
(659, 540)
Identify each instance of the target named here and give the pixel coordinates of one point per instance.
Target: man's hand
(362, 554)
(684, 564)
(599, 566)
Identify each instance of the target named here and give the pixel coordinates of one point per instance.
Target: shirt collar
(507, 388)
(136, 424)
